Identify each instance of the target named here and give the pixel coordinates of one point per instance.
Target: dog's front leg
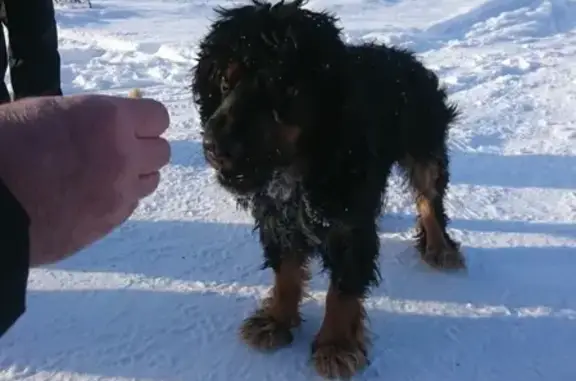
(340, 347)
(269, 327)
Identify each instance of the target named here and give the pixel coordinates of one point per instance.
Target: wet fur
(364, 109)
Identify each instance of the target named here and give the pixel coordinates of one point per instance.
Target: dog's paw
(337, 361)
(444, 258)
(262, 332)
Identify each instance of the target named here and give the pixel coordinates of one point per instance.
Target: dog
(304, 130)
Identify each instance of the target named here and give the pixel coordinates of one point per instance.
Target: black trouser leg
(33, 53)
(4, 95)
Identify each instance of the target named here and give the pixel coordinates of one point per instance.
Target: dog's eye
(292, 91)
(276, 116)
(224, 85)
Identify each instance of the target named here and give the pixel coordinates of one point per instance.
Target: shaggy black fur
(304, 131)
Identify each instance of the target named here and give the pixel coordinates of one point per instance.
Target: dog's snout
(213, 152)
(213, 125)
(208, 143)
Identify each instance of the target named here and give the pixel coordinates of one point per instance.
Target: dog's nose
(208, 144)
(215, 157)
(211, 151)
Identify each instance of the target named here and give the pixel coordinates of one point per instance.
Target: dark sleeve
(14, 258)
(33, 45)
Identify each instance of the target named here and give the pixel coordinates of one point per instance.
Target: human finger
(154, 121)
(132, 208)
(147, 184)
(149, 117)
(154, 154)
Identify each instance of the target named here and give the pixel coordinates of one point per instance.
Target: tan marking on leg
(434, 235)
(438, 252)
(269, 327)
(340, 347)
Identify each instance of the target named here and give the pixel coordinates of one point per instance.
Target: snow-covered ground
(161, 298)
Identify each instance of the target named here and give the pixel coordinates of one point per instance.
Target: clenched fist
(79, 165)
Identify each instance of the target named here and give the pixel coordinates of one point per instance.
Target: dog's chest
(283, 187)
(287, 215)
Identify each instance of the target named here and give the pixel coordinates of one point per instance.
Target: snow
(162, 297)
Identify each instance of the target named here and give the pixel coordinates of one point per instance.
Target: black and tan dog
(303, 130)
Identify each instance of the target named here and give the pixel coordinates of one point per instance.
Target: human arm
(72, 170)
(14, 258)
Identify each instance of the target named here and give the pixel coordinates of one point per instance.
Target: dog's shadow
(187, 153)
(514, 276)
(173, 302)
(155, 334)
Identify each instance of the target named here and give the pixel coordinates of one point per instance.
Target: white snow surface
(162, 297)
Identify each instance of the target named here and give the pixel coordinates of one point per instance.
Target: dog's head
(267, 76)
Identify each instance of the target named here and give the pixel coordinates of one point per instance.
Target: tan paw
(338, 362)
(444, 258)
(262, 332)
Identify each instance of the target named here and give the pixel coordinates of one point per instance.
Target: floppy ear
(205, 87)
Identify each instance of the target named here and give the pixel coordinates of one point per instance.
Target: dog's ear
(205, 87)
(291, 4)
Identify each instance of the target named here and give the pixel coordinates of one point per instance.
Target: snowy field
(162, 297)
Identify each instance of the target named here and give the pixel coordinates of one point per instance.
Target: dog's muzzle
(219, 151)
(212, 152)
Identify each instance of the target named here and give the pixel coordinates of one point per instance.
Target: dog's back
(402, 99)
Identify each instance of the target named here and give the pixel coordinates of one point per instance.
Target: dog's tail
(136, 94)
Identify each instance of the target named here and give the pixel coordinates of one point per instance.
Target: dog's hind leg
(269, 327)
(429, 176)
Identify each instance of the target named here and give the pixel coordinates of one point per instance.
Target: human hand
(79, 165)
